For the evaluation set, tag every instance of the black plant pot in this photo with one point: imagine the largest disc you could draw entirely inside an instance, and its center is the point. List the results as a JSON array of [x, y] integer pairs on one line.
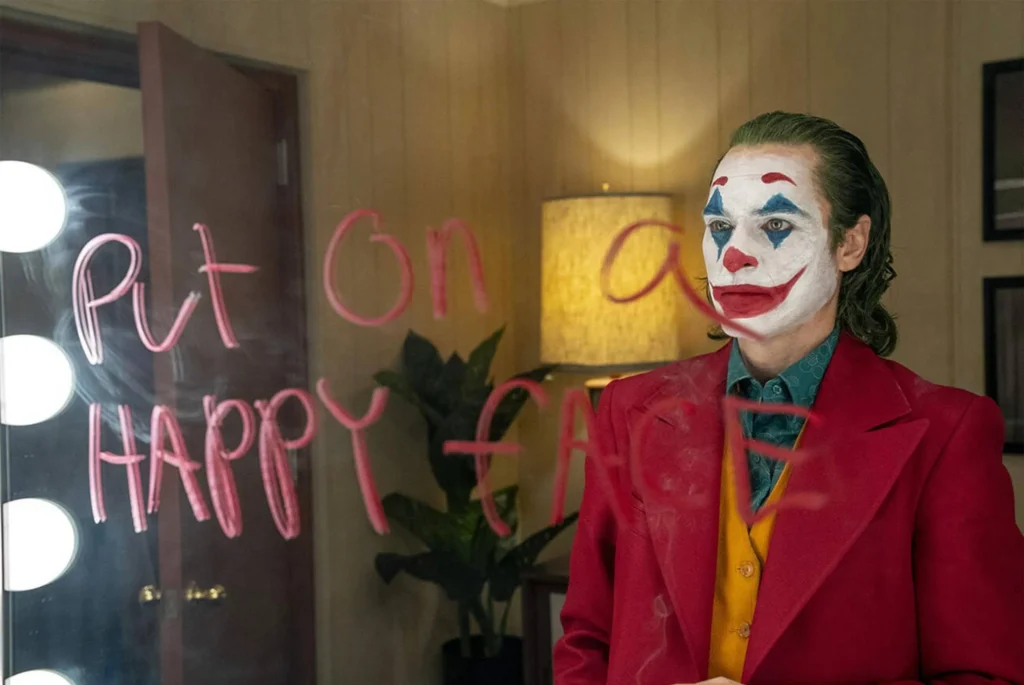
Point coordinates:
[[504, 669]]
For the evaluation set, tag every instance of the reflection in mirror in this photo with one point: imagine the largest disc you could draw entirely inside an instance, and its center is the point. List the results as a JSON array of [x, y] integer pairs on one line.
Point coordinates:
[[32, 207], [40, 543], [165, 497], [37, 380], [40, 677], [75, 617], [156, 591]]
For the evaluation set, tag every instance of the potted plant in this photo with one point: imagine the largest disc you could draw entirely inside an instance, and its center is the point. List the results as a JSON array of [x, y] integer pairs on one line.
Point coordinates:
[[477, 570]]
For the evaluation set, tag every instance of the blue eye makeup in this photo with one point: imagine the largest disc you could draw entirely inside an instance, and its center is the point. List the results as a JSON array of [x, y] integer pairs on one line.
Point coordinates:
[[714, 206], [721, 234], [780, 204], [777, 231]]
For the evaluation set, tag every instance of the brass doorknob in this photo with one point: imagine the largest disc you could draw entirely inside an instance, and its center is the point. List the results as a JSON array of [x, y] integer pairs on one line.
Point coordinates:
[[150, 594], [213, 595]]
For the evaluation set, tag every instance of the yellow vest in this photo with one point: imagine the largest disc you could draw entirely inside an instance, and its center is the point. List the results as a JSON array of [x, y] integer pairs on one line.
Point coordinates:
[[741, 556]]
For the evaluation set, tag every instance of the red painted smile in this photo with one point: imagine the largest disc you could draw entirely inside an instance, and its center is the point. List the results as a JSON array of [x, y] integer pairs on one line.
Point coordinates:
[[746, 301]]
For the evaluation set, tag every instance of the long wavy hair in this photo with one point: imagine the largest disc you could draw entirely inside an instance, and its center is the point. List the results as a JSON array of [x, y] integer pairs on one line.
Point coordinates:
[[851, 183]]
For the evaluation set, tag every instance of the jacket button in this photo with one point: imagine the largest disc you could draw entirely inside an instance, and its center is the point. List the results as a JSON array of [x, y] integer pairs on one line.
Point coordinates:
[[746, 569], [744, 630]]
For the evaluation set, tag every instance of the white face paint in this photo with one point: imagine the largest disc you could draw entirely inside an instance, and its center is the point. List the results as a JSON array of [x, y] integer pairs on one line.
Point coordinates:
[[766, 244]]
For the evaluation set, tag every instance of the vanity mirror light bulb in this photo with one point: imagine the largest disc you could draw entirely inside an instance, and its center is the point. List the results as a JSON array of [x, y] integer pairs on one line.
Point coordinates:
[[36, 380], [33, 207], [39, 677], [40, 543]]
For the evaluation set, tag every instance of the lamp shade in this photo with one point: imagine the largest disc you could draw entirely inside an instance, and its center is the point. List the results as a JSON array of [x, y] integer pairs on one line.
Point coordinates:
[[579, 326]]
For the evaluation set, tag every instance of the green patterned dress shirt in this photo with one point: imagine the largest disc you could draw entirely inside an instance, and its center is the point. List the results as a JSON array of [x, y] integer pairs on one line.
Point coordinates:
[[798, 385]]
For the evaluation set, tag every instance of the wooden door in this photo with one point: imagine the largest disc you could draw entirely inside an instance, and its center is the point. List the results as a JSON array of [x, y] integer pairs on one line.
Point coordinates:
[[213, 155]]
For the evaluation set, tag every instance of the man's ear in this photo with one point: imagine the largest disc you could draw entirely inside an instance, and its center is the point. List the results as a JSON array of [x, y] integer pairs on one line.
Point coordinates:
[[855, 244]]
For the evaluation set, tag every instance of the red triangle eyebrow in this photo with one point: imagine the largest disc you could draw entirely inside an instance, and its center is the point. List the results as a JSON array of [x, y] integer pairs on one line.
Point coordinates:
[[720, 181], [775, 176]]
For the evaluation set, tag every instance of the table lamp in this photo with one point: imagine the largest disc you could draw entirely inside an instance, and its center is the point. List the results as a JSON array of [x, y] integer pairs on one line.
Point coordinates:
[[581, 330]]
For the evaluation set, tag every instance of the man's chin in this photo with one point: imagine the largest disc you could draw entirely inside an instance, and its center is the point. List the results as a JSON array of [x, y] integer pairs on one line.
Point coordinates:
[[769, 325], [776, 323]]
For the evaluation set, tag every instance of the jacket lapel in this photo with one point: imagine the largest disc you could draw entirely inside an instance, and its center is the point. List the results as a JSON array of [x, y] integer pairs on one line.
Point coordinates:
[[857, 453], [677, 456]]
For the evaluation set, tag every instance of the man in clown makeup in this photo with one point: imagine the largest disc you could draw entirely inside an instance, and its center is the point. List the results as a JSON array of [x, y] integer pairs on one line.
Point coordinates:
[[887, 554]]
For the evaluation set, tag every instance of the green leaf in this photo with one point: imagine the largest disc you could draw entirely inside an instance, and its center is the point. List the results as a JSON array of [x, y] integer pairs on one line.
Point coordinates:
[[464, 552], [478, 368], [505, 501], [423, 367], [459, 580], [510, 514], [487, 547], [454, 473], [467, 522], [435, 529], [398, 384], [508, 575], [513, 402], [460, 423], [452, 376]]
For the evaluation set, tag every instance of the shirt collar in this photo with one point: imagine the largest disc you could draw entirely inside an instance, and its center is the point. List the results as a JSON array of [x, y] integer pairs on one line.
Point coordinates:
[[802, 379]]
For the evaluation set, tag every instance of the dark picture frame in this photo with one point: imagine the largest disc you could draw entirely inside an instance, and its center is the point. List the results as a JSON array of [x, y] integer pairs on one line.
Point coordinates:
[[1002, 168], [1004, 354]]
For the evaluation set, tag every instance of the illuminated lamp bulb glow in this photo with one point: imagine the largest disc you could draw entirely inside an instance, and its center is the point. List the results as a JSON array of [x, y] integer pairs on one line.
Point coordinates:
[[36, 380], [33, 207], [40, 543], [39, 677]]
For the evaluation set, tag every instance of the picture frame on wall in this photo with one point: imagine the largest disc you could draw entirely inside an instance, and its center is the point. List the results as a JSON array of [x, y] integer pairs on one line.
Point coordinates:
[[1003, 150], [1004, 354]]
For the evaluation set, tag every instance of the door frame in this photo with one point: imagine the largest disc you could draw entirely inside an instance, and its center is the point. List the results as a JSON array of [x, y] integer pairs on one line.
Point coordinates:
[[75, 50]]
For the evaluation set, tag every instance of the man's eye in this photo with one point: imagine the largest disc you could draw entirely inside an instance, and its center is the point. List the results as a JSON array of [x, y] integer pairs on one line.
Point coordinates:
[[719, 225], [777, 225]]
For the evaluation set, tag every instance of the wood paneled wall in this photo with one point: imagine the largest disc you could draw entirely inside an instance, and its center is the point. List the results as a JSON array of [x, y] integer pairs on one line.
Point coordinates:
[[980, 32], [644, 94], [409, 115], [429, 108], [406, 110]]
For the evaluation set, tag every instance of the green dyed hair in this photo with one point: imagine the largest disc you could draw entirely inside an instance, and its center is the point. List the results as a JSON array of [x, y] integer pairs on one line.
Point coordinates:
[[853, 187]]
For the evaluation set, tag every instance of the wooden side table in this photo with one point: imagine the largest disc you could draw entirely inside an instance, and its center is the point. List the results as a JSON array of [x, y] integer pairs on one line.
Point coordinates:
[[544, 587]]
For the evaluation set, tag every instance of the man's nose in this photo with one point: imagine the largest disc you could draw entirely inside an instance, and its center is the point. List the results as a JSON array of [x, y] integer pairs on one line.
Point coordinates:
[[735, 260]]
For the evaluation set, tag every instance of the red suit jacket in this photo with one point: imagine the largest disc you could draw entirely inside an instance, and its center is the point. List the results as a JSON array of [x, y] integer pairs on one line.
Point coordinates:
[[912, 572]]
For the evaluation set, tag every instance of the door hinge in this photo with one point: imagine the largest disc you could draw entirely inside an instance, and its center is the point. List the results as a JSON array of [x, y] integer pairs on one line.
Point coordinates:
[[282, 162]]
